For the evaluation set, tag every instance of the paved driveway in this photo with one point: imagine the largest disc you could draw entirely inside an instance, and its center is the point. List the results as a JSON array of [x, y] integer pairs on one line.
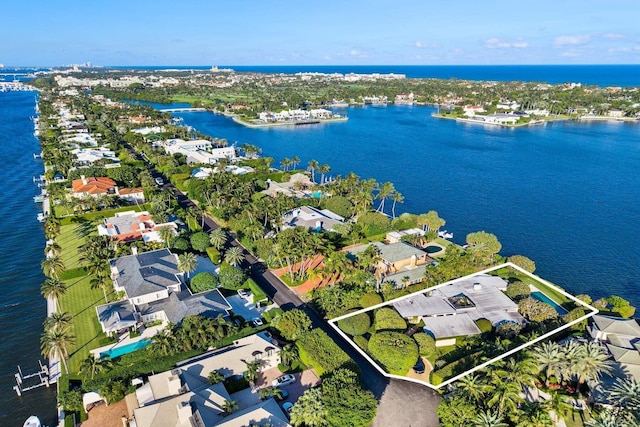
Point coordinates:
[[406, 404], [243, 307]]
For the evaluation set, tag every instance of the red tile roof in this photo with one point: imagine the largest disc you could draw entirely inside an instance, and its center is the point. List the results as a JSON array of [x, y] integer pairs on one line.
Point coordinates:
[[93, 185]]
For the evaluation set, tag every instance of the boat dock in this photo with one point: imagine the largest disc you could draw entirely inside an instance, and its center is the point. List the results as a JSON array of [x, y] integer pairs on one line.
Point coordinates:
[[31, 381]]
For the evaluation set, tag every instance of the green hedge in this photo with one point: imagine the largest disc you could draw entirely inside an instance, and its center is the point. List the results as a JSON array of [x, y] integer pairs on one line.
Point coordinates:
[[321, 352], [258, 293], [369, 300], [214, 255], [388, 318], [358, 324], [426, 344], [396, 352], [361, 342], [204, 281], [179, 180]]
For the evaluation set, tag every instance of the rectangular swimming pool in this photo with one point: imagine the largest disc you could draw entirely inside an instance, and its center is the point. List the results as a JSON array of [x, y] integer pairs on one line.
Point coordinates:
[[128, 348], [543, 298]]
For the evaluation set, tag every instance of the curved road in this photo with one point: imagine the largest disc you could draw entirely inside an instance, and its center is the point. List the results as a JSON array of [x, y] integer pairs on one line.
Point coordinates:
[[401, 403]]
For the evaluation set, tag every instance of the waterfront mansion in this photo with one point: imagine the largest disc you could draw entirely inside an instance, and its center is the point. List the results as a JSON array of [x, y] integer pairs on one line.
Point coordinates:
[[154, 291]]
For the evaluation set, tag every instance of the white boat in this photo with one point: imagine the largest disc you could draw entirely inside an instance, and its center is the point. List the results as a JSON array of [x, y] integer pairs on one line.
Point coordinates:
[[42, 217], [32, 421], [445, 235]]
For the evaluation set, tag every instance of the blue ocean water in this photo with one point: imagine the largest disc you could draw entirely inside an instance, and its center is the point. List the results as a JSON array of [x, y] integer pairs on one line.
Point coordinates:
[[601, 75], [22, 308], [564, 194]]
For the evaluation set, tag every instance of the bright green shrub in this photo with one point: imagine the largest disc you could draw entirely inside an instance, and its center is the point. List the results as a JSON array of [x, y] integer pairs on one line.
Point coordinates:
[[214, 255], [204, 281], [321, 352], [355, 325], [388, 318], [426, 344], [369, 300], [395, 351], [361, 342], [627, 312], [484, 325], [517, 290]]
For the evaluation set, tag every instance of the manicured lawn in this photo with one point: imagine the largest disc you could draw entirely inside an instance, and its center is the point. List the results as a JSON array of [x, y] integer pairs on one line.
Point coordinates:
[[69, 240], [80, 302]]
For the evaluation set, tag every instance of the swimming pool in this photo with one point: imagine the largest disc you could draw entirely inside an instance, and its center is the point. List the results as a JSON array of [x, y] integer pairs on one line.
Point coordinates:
[[128, 348], [432, 249], [543, 298]]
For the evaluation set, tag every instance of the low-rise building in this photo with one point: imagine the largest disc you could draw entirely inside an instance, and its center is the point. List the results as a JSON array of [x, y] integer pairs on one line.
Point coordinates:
[[311, 218], [131, 225]]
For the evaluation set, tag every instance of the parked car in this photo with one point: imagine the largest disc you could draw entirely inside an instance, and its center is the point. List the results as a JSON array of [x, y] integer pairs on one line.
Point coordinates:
[[283, 380], [159, 181], [418, 368], [287, 407], [284, 395], [257, 322]]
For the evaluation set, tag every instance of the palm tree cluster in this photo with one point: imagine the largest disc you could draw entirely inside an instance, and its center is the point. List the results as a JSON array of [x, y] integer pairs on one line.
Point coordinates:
[[494, 396], [96, 252], [195, 332], [624, 411]]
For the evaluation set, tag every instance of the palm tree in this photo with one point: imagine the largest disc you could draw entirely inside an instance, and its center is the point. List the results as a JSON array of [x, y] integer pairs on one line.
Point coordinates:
[[550, 358], [267, 392], [285, 163], [52, 266], [323, 169], [218, 238], [53, 288], [215, 377], [253, 370], [52, 249], [626, 394], [229, 406], [57, 320], [386, 190], [234, 256], [313, 165], [166, 234], [473, 387], [489, 419], [288, 354], [56, 344], [100, 280], [92, 365], [592, 362], [397, 198], [295, 161], [506, 396], [187, 263], [51, 227]]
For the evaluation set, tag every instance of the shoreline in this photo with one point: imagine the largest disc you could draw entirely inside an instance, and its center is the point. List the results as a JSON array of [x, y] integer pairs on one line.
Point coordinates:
[[238, 120]]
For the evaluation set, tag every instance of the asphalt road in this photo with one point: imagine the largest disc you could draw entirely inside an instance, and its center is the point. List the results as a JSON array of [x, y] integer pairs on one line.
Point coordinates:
[[401, 403]]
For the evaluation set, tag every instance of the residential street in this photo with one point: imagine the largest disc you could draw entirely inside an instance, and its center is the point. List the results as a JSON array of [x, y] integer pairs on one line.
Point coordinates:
[[401, 403]]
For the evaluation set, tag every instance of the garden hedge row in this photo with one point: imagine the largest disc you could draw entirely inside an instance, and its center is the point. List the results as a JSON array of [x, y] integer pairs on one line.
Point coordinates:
[[316, 348]]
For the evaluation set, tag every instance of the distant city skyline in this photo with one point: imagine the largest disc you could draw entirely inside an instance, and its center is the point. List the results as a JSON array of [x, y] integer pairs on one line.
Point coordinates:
[[357, 32]]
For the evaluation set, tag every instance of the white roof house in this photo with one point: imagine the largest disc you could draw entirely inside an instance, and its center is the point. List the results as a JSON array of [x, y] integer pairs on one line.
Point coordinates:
[[199, 150], [183, 397], [89, 156], [452, 310], [310, 217]]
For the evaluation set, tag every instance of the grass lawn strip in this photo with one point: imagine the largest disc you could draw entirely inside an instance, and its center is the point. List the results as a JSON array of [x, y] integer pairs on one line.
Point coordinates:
[[69, 241]]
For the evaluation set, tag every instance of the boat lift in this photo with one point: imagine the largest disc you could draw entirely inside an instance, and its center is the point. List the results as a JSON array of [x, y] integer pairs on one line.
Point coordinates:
[[42, 375]]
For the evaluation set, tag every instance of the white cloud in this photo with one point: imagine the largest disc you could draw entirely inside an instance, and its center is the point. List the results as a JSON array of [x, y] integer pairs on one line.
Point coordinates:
[[575, 40], [357, 53], [570, 54], [619, 49], [613, 36], [422, 45], [496, 43], [354, 53]]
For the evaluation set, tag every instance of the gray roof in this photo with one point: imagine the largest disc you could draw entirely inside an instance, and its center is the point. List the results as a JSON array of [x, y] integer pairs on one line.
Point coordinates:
[[182, 304], [624, 355], [147, 272], [398, 251], [615, 325], [117, 315], [450, 326], [422, 305], [310, 217]]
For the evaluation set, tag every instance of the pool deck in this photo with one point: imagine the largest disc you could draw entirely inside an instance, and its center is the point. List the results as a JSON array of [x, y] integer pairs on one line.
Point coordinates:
[[557, 306], [148, 333]]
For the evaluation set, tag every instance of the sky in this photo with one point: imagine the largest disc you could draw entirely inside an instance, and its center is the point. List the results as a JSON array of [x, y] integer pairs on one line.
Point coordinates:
[[328, 32]]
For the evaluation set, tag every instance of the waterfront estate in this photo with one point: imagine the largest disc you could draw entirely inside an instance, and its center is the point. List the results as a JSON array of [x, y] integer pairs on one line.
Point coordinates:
[[428, 324], [154, 291]]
